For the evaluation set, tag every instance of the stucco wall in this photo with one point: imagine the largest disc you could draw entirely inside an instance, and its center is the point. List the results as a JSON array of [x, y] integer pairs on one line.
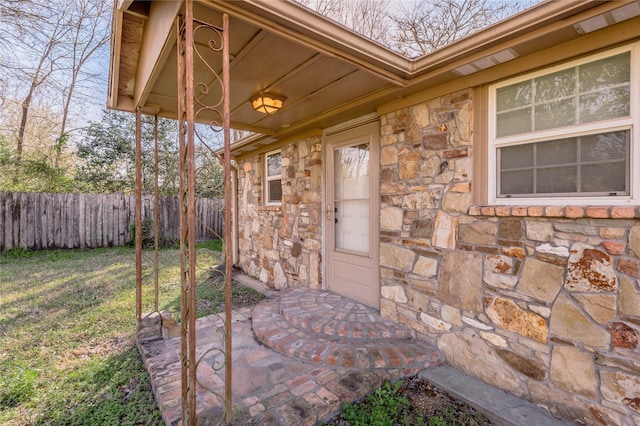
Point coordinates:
[[543, 302], [281, 245]]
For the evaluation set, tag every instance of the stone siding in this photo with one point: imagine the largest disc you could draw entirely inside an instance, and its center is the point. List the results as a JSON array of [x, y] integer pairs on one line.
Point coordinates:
[[281, 245], [542, 302]]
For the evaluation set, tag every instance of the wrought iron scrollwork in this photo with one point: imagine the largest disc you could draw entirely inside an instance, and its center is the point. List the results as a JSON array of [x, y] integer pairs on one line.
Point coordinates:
[[205, 46], [202, 46]]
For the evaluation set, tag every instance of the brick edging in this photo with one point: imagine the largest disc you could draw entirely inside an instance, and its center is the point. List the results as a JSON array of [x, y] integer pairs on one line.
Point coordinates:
[[269, 208], [569, 212]]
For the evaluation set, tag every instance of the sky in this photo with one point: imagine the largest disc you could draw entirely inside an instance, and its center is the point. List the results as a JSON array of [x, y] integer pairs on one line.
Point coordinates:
[[91, 100]]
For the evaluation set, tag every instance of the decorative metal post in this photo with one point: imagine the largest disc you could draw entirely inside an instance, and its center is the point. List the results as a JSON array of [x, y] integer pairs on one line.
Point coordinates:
[[187, 214], [156, 216], [227, 213], [138, 221], [190, 104]]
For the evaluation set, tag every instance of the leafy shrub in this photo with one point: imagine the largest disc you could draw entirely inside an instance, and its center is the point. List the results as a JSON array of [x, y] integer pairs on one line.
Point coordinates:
[[397, 405], [382, 408], [437, 421]]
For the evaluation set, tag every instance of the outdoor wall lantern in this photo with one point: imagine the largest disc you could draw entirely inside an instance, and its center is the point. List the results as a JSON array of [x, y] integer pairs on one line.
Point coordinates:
[[267, 103]]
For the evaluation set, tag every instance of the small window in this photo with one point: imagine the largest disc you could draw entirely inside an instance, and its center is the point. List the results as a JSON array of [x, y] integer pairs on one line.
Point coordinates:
[[273, 178], [567, 132]]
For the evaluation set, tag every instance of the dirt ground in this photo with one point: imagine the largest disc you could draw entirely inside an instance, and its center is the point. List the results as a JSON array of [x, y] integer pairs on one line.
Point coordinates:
[[428, 401]]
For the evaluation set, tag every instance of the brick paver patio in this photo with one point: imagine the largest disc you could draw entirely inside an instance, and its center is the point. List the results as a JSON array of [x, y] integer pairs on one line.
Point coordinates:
[[297, 358]]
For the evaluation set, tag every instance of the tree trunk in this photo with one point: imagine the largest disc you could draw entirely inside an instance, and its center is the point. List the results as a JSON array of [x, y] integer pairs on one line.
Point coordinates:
[[26, 104]]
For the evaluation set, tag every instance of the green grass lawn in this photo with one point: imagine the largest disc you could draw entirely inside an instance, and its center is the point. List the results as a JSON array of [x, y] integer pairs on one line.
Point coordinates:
[[67, 324]]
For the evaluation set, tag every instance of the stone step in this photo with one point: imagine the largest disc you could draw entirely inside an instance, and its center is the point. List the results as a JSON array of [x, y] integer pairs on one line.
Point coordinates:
[[272, 329], [333, 316]]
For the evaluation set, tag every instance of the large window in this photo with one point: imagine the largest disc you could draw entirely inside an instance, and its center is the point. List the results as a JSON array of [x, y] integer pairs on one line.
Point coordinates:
[[273, 178], [568, 134]]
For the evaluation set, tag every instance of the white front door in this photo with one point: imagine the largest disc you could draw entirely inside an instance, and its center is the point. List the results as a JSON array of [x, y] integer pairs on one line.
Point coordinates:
[[352, 214]]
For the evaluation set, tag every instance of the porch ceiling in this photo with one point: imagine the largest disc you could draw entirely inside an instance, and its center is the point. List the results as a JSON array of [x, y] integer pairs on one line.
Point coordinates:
[[327, 73], [313, 81]]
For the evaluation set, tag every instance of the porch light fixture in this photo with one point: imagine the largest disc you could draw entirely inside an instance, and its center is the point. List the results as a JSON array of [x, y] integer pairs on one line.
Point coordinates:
[[267, 103]]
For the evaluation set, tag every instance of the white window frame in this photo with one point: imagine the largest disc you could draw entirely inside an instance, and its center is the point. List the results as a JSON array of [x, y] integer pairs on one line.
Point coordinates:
[[268, 178], [631, 123]]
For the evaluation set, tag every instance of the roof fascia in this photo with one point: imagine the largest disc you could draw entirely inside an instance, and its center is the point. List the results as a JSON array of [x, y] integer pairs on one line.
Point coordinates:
[[249, 140], [123, 4], [114, 58], [155, 50], [300, 24], [263, 143], [536, 21], [297, 23], [625, 32]]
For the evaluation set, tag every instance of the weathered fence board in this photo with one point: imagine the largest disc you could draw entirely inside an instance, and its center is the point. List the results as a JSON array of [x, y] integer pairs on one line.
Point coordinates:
[[41, 220]]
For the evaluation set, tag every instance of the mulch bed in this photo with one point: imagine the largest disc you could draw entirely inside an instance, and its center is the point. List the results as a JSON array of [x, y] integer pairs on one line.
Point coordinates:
[[429, 401]]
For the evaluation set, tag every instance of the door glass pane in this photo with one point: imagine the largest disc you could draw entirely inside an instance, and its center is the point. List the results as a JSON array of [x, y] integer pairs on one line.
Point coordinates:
[[352, 227], [351, 204]]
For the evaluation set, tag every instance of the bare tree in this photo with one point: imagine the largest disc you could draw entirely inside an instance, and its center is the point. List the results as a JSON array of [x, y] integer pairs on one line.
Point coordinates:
[[369, 18], [428, 25], [12, 12], [415, 28], [47, 56], [36, 39], [52, 44], [329, 8], [88, 33]]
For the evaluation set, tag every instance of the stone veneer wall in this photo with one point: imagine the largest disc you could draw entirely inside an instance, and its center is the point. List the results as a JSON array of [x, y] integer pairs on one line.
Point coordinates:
[[542, 302], [281, 245]]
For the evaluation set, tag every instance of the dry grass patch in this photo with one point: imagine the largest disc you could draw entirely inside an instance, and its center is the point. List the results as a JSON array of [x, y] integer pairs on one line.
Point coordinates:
[[67, 324]]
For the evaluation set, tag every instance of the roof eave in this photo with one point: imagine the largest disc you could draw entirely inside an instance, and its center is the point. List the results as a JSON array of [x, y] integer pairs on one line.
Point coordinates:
[[289, 19], [544, 15], [296, 22], [114, 57]]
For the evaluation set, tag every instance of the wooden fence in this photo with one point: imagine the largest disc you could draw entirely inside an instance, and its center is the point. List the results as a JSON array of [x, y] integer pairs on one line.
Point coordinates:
[[41, 221]]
